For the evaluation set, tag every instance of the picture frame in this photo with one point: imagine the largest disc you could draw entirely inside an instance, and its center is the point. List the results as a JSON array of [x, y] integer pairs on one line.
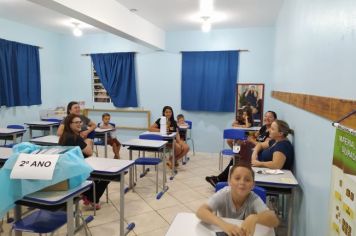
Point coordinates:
[[251, 94]]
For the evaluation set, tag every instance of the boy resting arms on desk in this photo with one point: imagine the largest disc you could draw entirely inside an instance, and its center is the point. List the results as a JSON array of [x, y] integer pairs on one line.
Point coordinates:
[[237, 201]]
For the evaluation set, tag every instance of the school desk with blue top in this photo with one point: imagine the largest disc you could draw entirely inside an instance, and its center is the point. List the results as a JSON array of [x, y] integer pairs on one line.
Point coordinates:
[[283, 183], [49, 140], [6, 132], [113, 170], [170, 138], [42, 125], [189, 224], [51, 200], [99, 132], [150, 146]]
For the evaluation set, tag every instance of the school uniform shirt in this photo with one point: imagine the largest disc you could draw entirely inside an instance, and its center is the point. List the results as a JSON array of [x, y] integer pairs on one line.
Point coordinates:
[[221, 202], [172, 126], [78, 141], [284, 147]]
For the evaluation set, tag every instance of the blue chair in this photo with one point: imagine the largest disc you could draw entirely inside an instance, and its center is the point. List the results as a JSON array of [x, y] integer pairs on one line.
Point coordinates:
[[10, 137], [189, 134], [98, 139], [235, 134], [53, 120], [154, 161], [43, 222], [261, 192]]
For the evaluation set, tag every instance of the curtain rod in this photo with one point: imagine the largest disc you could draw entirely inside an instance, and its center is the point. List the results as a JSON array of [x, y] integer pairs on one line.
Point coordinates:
[[338, 125], [88, 54], [239, 50]]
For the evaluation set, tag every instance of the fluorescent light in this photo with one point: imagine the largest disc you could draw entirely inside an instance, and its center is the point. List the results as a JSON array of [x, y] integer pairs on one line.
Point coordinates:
[[206, 25], [76, 31], [206, 7]]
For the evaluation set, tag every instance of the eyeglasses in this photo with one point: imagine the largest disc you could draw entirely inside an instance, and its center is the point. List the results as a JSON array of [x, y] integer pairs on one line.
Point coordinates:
[[77, 122]]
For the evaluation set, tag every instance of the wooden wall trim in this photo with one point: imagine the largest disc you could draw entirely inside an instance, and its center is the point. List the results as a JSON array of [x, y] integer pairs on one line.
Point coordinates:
[[327, 107]]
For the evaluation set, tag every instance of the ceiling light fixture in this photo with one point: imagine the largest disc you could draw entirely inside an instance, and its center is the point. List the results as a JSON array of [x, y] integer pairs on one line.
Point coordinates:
[[76, 31], [206, 26]]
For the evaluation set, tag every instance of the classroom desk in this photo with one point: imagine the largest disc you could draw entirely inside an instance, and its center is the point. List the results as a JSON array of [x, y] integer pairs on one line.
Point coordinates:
[[189, 224], [170, 138], [5, 153], [113, 170], [284, 183], [5, 132], [42, 125], [49, 140], [253, 128], [150, 146], [99, 132], [53, 198]]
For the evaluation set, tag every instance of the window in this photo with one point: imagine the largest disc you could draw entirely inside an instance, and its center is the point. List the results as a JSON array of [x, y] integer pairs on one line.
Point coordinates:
[[99, 92]]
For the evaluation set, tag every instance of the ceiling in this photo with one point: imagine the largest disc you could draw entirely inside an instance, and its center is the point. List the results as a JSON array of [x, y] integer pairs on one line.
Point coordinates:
[[169, 15]]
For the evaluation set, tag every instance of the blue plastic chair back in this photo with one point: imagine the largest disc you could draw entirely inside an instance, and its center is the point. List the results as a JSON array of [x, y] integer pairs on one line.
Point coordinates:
[[15, 127], [189, 123], [261, 192], [91, 135], [151, 137], [234, 134]]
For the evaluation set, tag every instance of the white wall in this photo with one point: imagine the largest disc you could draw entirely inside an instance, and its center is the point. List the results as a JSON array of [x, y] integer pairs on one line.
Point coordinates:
[[315, 53]]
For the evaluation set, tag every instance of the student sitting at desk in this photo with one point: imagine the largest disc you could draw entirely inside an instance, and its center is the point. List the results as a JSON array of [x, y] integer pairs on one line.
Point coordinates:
[[237, 201], [277, 153], [112, 140], [181, 123], [87, 125], [260, 136], [180, 148], [243, 120], [71, 137]]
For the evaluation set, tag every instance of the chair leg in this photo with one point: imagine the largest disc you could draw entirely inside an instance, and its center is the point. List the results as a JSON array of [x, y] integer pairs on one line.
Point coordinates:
[[193, 147], [96, 153], [157, 179]]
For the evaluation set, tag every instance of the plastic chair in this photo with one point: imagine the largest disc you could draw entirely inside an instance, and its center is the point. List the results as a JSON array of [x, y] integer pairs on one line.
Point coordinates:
[[154, 161], [43, 222], [98, 139], [189, 134], [235, 134], [10, 137], [261, 192], [53, 120]]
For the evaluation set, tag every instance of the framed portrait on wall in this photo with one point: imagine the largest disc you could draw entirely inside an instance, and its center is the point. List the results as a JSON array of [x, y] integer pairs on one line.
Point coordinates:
[[250, 94]]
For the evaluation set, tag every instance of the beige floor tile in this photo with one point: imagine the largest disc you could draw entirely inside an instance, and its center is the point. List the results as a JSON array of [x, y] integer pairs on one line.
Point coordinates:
[[147, 222], [169, 213], [165, 201], [187, 196], [157, 232], [194, 205], [136, 207]]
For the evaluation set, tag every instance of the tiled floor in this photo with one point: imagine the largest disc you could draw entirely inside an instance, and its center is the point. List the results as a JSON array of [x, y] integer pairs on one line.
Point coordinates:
[[187, 191], [152, 217]]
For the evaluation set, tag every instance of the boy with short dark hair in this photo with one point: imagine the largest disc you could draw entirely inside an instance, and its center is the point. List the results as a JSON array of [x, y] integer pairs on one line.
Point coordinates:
[[112, 140]]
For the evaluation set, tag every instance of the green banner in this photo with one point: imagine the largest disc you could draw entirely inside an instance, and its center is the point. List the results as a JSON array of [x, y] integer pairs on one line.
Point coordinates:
[[343, 185]]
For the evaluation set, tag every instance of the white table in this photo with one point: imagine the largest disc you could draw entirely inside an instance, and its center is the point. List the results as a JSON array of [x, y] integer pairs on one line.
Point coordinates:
[[52, 198], [104, 132], [5, 132], [168, 137], [284, 183], [188, 224], [153, 146], [253, 128], [42, 125], [49, 140], [111, 169]]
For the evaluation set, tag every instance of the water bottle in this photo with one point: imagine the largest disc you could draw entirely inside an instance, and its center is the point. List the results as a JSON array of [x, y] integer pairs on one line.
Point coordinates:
[[163, 125], [236, 147]]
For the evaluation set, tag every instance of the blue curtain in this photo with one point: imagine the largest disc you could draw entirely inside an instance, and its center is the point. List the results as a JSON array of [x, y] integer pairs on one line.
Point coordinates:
[[20, 78], [209, 80], [117, 74]]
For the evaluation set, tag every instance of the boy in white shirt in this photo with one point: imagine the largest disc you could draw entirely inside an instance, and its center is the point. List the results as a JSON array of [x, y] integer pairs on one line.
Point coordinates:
[[112, 140]]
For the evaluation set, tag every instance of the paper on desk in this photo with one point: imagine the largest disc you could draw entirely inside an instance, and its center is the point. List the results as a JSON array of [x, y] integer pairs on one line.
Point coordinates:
[[273, 172]]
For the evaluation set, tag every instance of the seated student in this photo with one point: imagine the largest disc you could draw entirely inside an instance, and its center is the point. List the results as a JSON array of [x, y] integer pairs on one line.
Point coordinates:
[[180, 148], [237, 201], [181, 122], [244, 119], [112, 140], [277, 153], [71, 137], [260, 136], [87, 125]]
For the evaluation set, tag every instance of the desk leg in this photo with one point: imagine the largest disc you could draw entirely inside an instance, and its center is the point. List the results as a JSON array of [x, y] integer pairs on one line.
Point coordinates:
[[30, 132], [173, 159], [290, 212], [122, 203], [131, 184], [50, 130], [70, 217], [14, 138], [106, 145], [17, 216]]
